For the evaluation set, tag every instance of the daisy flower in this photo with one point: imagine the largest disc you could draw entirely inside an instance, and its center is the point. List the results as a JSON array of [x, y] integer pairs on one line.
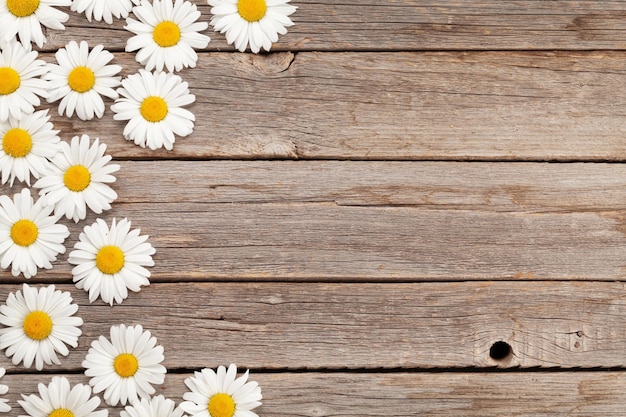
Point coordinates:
[[80, 78], [254, 22], [103, 9], [126, 366], [166, 34], [221, 394], [4, 406], [25, 17], [157, 406], [29, 236], [152, 103], [39, 323], [20, 84], [58, 399], [109, 262], [78, 178], [27, 146]]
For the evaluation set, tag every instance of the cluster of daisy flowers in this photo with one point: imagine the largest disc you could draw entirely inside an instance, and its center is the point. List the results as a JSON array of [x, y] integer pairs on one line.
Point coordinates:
[[39, 324]]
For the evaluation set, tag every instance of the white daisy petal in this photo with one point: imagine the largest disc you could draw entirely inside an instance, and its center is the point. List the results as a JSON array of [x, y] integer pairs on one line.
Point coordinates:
[[103, 9], [25, 18], [4, 406], [58, 399], [126, 367], [39, 324]]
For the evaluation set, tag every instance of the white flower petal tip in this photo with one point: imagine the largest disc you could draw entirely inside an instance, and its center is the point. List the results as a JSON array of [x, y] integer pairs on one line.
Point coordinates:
[[60, 399], [111, 261], [22, 87], [31, 238], [80, 78], [167, 34], [39, 323], [78, 178], [158, 406], [153, 105], [4, 403], [106, 10], [25, 18], [28, 144], [220, 393], [253, 23], [125, 367]]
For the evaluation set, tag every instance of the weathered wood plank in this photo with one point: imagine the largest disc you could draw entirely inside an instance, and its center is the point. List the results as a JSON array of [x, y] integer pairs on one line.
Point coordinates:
[[424, 106], [284, 326], [409, 394], [372, 220], [416, 25]]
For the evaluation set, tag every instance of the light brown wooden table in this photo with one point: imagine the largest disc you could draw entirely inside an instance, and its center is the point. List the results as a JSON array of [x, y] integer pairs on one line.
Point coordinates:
[[362, 213]]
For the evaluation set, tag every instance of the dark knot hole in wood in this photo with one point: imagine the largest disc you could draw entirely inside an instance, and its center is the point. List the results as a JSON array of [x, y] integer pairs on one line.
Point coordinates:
[[500, 350]]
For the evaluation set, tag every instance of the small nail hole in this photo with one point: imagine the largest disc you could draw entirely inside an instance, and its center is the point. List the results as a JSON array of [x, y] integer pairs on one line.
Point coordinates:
[[500, 350]]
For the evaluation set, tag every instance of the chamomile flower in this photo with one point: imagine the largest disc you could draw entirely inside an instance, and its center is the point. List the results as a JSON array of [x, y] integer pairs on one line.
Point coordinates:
[[221, 394], [29, 235], [78, 179], [254, 22], [158, 406], [109, 262], [59, 399], [27, 146], [81, 78], [20, 82], [103, 9], [4, 406], [39, 324], [25, 17], [166, 34], [125, 367], [152, 104]]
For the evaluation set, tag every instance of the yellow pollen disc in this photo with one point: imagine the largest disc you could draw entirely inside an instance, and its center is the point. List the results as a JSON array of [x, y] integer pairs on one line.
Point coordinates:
[[61, 412], [153, 109], [81, 79], [24, 232], [126, 365], [17, 142], [221, 405], [77, 178], [37, 325], [9, 80], [110, 259], [166, 34], [22, 8], [252, 10]]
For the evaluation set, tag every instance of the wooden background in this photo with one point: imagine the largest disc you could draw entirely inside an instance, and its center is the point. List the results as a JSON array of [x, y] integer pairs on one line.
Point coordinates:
[[362, 213]]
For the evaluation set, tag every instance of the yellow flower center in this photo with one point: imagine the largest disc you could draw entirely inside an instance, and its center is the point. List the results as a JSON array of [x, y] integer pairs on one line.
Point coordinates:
[[126, 365], [9, 81], [221, 405], [252, 10], [166, 34], [22, 8], [17, 142], [77, 178], [81, 79], [110, 259], [37, 325], [24, 232], [153, 109], [61, 412]]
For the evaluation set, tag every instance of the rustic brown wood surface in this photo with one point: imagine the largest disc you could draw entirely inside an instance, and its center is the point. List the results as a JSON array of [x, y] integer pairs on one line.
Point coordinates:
[[364, 215]]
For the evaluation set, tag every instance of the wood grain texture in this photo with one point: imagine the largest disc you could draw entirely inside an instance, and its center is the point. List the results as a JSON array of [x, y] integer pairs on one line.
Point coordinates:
[[414, 25], [394, 106], [295, 326], [588, 394]]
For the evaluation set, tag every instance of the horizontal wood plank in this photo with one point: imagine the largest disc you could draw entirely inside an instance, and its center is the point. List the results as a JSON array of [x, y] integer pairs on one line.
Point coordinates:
[[287, 220], [287, 326], [414, 25], [408, 394], [393, 106]]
